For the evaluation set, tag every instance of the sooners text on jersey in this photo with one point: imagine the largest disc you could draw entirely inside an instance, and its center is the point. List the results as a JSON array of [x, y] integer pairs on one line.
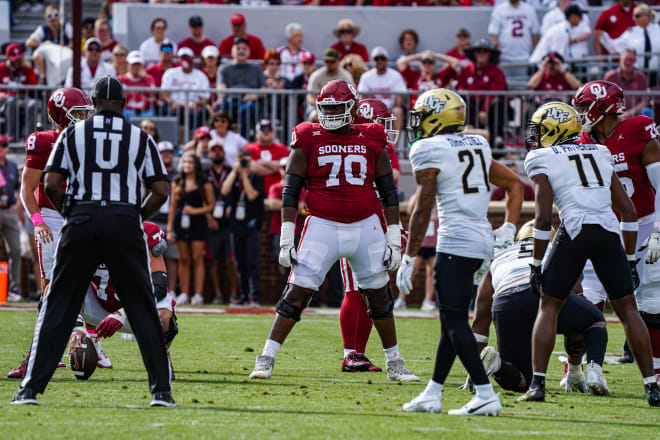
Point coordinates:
[[38, 146], [626, 143], [340, 170]]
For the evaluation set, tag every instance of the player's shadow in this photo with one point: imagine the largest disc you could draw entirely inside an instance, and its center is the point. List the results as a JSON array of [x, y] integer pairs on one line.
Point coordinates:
[[596, 422]]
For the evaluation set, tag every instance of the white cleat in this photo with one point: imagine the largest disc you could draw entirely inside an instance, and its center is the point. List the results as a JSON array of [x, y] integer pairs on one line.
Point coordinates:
[[491, 360], [400, 304], [428, 306], [428, 403], [575, 382], [479, 407], [197, 300], [263, 367], [103, 360], [596, 383], [183, 299], [396, 370]]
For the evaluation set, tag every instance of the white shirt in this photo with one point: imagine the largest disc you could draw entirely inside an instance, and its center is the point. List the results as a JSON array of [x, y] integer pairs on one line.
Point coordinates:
[[575, 50], [463, 191], [150, 51], [290, 66], [87, 80], [390, 81], [39, 33], [514, 27], [231, 143], [176, 78], [579, 202], [633, 38], [58, 60], [510, 267], [556, 39]]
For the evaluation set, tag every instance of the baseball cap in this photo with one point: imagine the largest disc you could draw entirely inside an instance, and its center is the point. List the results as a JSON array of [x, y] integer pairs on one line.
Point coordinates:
[[216, 144], [245, 151], [210, 51], [14, 52], [108, 88], [165, 146], [555, 56], [91, 41], [427, 56], [307, 56], [185, 52], [264, 125], [5, 139], [379, 51], [237, 18], [202, 131], [195, 21], [238, 40], [167, 46], [134, 57], [331, 55]]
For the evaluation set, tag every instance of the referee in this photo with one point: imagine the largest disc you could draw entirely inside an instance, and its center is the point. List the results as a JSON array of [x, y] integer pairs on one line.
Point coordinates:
[[104, 160]]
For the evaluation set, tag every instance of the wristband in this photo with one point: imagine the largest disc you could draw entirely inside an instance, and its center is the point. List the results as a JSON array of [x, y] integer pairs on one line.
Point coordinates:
[[483, 339], [36, 219], [631, 258], [629, 226], [540, 234], [120, 315], [393, 235], [536, 262]]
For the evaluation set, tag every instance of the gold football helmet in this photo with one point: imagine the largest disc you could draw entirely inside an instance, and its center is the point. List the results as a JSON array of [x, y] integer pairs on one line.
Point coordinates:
[[436, 111], [554, 123], [525, 232]]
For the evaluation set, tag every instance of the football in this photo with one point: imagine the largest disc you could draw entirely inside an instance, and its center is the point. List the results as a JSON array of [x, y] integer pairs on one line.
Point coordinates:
[[83, 358]]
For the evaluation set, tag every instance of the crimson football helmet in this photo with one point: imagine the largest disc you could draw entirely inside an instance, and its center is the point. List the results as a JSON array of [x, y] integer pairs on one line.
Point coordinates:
[[155, 238], [374, 110], [69, 105], [596, 99], [332, 97]]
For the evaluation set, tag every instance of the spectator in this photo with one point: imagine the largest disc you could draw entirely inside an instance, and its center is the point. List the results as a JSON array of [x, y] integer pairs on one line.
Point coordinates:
[[429, 78], [196, 42], [186, 77], [52, 61], [631, 79], [91, 67], [20, 111], [137, 103], [219, 237], [192, 199], [307, 67], [87, 31], [241, 74], [405, 3], [613, 22], [514, 29], [554, 15], [104, 35], [552, 76], [322, 76], [568, 37], [463, 41], [246, 192], [150, 127], [384, 79], [150, 48], [238, 26], [266, 154], [291, 54], [232, 142], [52, 30], [354, 65], [9, 227], [200, 146], [408, 41], [166, 62], [644, 37], [346, 31], [119, 54], [272, 71], [211, 61]]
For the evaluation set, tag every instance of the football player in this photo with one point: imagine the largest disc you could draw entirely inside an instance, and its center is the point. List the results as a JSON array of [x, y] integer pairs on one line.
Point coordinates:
[[504, 296], [582, 182], [65, 106], [456, 170], [339, 164], [636, 152]]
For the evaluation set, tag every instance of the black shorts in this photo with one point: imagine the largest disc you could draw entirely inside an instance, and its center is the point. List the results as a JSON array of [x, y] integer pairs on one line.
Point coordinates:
[[220, 243], [426, 252], [568, 257], [453, 278]]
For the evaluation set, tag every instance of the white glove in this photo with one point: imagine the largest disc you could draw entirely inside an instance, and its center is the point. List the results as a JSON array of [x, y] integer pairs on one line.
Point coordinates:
[[404, 275], [504, 235], [653, 243], [392, 259], [288, 254]]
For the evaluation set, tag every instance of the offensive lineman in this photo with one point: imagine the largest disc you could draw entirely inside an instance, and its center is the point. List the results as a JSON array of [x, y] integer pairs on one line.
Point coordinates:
[[456, 170], [339, 164], [582, 182]]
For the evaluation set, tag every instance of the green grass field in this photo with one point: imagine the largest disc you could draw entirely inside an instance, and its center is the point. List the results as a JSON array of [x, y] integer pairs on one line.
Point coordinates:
[[308, 396]]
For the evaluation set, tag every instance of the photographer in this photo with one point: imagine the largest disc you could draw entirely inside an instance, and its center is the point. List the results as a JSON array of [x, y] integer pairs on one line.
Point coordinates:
[[552, 76], [246, 194]]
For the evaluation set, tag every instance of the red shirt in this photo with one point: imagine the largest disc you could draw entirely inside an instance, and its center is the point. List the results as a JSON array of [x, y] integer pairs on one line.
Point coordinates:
[[275, 192], [626, 143], [415, 81], [22, 76], [257, 50], [197, 48], [402, 3], [333, 2], [137, 100], [554, 82], [615, 21], [38, 147], [105, 290], [340, 170], [355, 47], [270, 152], [490, 78], [156, 71], [456, 54]]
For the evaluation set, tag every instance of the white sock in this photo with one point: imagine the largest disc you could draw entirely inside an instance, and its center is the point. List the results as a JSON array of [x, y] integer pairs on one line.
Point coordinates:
[[536, 373], [484, 391], [650, 379], [433, 388], [271, 348], [348, 351], [572, 369], [392, 352]]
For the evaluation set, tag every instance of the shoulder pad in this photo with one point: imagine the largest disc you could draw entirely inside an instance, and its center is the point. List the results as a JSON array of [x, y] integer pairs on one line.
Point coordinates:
[[644, 126], [302, 131]]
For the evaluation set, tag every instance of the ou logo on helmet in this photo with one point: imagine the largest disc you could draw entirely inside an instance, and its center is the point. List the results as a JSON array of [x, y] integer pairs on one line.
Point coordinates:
[[435, 104], [58, 99], [598, 91], [351, 88], [366, 111]]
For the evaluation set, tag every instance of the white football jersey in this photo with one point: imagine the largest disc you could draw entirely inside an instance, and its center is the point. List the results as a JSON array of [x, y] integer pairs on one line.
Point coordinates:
[[514, 28], [580, 176], [463, 191], [510, 267]]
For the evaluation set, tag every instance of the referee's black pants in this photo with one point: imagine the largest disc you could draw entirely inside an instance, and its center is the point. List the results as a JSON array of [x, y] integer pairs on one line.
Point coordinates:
[[92, 235]]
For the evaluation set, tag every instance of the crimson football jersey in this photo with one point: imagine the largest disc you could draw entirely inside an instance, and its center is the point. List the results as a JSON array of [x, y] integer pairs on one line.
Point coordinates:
[[37, 147], [340, 170], [626, 143], [105, 290]]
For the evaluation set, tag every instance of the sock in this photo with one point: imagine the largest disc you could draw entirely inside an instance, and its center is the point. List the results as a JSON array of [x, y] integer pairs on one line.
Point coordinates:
[[348, 318], [650, 379], [392, 352], [363, 328], [484, 391], [509, 377], [573, 369], [655, 348], [271, 348], [595, 344], [348, 351], [538, 380], [433, 388]]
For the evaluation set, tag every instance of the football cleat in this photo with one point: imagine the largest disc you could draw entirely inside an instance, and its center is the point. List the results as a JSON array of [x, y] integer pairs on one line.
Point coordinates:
[[103, 360], [652, 393], [396, 370], [19, 372], [533, 394], [596, 383], [183, 299], [626, 358], [358, 362], [575, 382], [479, 407], [197, 300], [25, 396], [263, 367], [491, 360], [163, 398], [430, 403]]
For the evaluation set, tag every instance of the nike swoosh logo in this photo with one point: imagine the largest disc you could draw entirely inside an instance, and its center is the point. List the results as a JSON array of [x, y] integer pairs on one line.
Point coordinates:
[[471, 410]]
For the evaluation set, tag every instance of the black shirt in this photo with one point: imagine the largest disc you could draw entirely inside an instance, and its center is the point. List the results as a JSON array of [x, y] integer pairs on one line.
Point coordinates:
[[254, 209]]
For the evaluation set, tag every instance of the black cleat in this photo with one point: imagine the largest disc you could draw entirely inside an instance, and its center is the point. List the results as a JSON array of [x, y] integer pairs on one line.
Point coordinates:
[[652, 393], [533, 394], [626, 358], [162, 398], [25, 396]]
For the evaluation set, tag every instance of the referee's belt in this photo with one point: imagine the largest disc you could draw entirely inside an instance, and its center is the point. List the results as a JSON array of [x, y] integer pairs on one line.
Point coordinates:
[[103, 203]]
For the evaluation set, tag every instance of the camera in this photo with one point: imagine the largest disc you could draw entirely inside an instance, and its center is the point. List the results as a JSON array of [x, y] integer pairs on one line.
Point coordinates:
[[244, 163]]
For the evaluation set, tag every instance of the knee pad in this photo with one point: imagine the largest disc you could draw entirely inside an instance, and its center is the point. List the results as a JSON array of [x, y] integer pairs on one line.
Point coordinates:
[[574, 347], [171, 332], [285, 308], [159, 280], [379, 305]]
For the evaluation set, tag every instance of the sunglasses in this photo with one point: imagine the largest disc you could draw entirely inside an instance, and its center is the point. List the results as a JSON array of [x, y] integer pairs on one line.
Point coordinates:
[[639, 15], [93, 49], [4, 145], [308, 63], [380, 58], [160, 28], [53, 15], [119, 54], [149, 127], [167, 49], [348, 65], [345, 31], [428, 61]]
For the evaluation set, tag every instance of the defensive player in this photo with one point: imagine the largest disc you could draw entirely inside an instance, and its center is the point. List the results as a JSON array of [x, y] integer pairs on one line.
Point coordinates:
[[636, 152], [65, 106], [581, 180], [504, 296], [456, 170], [339, 164]]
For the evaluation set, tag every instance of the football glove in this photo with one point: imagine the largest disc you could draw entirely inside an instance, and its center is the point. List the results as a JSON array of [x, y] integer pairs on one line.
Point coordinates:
[[653, 243], [535, 279], [404, 275], [504, 235], [111, 323], [392, 259], [288, 254], [632, 262]]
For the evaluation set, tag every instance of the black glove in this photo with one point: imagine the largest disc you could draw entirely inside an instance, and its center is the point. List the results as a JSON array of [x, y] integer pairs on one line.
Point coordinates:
[[635, 275], [535, 280]]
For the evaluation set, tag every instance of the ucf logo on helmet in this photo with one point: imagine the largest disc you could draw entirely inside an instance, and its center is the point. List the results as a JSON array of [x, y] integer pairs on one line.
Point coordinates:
[[557, 114], [434, 103]]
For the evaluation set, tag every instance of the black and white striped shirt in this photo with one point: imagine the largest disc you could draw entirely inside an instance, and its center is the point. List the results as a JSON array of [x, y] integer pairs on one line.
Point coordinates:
[[106, 159]]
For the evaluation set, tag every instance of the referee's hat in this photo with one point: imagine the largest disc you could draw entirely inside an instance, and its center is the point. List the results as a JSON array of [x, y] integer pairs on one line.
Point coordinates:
[[108, 88]]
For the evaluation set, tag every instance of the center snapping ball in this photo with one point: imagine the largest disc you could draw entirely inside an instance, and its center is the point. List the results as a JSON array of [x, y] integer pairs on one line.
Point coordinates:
[[83, 358]]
